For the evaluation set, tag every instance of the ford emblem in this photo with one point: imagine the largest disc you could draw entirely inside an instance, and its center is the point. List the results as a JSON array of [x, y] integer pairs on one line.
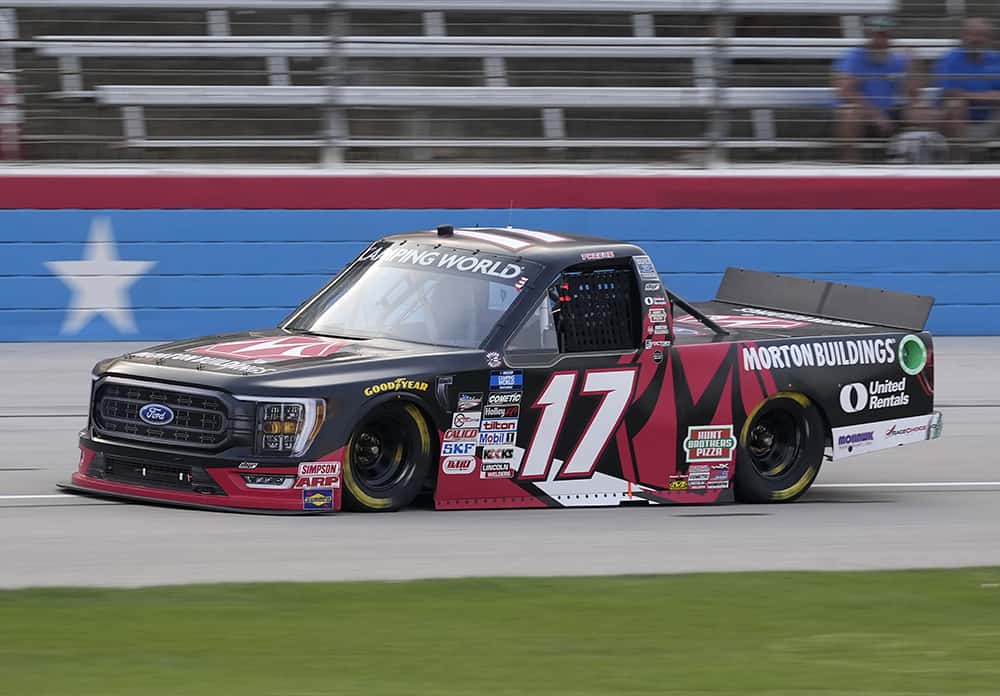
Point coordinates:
[[156, 414]]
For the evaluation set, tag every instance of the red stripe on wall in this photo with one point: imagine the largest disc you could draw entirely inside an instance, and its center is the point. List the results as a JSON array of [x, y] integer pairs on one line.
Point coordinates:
[[414, 192]]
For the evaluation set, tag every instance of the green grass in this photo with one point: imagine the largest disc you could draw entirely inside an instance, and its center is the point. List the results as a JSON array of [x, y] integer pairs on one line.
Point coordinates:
[[914, 632]]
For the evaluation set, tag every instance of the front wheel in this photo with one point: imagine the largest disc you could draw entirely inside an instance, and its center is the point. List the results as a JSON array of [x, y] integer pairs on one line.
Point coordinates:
[[387, 459], [781, 449]]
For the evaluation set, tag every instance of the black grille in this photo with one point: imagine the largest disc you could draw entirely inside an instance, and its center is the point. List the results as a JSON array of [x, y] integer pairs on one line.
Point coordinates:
[[178, 477], [199, 420]]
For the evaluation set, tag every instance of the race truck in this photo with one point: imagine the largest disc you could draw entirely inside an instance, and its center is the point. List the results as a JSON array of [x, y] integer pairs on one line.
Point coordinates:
[[510, 368]]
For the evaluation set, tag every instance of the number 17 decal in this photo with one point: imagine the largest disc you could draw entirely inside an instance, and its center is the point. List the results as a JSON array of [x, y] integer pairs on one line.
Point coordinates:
[[617, 386]]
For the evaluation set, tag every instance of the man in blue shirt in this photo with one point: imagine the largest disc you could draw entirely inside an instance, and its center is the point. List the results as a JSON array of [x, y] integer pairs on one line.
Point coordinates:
[[969, 79], [875, 86]]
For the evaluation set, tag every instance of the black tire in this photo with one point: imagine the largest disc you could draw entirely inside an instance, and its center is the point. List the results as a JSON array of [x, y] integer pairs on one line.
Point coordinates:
[[387, 459], [780, 450]]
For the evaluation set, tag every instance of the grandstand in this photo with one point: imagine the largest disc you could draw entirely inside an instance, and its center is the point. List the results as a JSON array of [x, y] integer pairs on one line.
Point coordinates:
[[303, 81]]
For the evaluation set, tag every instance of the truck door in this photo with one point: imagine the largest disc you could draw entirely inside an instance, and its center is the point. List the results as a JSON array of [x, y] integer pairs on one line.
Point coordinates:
[[576, 358]]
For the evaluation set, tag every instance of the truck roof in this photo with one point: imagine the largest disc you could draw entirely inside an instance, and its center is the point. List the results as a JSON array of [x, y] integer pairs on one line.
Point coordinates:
[[548, 248]]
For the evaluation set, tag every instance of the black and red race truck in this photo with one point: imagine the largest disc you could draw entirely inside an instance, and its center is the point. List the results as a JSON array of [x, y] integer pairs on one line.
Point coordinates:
[[507, 368]]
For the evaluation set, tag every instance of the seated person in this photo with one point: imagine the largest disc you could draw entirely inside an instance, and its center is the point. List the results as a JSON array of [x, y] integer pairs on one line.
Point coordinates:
[[874, 86], [969, 79]]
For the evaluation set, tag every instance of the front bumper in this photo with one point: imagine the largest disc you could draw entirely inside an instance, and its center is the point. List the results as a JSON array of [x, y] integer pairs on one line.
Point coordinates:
[[134, 474]]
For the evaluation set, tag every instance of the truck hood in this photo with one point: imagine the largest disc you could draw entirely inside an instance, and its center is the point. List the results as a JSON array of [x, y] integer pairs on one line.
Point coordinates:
[[276, 358]]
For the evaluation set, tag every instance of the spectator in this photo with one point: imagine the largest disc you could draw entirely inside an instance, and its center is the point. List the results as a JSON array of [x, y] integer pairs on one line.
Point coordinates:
[[969, 79], [875, 85]]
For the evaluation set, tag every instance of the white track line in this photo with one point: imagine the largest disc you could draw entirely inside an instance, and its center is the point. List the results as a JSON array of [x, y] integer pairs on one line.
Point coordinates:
[[911, 484], [35, 497]]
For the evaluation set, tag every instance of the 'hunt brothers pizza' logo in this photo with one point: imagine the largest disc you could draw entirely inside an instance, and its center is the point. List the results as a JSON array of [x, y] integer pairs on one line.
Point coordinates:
[[710, 443]]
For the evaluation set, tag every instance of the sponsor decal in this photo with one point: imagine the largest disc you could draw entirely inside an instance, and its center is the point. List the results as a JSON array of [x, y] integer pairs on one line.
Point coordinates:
[[651, 287], [644, 266], [861, 351], [501, 412], [597, 255], [493, 359], [912, 354], [895, 430], [745, 321], [265, 350], [504, 398], [503, 380], [470, 401], [218, 363], [717, 484], [433, 258], [719, 474], [374, 251], [498, 454], [490, 470], [858, 439], [467, 419], [461, 435], [521, 282], [467, 449], [657, 315], [662, 329], [398, 384], [503, 425], [497, 438], [650, 343], [678, 485], [710, 443], [317, 499], [458, 465], [318, 475], [655, 300], [698, 473], [657, 356], [156, 414], [857, 397], [801, 318], [247, 465]]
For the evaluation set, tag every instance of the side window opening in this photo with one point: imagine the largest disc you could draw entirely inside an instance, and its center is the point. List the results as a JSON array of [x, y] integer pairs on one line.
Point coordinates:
[[587, 310], [597, 310]]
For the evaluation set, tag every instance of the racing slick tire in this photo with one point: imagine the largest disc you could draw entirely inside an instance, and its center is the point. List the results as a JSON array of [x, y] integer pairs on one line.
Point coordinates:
[[780, 450], [387, 459]]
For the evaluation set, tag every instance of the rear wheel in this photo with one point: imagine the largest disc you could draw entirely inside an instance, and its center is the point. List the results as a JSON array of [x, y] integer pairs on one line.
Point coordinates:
[[781, 449], [387, 458]]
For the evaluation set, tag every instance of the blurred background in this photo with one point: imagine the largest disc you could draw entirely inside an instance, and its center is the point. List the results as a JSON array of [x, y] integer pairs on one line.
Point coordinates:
[[688, 83]]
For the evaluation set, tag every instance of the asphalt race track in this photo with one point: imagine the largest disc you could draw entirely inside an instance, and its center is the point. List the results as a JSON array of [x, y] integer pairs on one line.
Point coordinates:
[[936, 504]]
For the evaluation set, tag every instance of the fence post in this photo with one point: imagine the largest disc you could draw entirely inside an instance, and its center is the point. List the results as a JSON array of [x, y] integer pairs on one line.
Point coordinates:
[[718, 130], [335, 125]]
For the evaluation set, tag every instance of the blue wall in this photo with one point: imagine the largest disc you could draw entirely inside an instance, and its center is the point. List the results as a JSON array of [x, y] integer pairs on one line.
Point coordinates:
[[222, 270]]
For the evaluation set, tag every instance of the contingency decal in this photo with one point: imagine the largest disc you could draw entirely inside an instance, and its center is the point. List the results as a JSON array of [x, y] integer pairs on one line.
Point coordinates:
[[398, 384], [318, 475], [500, 456]]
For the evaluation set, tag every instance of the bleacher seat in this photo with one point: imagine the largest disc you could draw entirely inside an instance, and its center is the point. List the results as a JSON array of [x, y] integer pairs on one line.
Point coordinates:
[[696, 83]]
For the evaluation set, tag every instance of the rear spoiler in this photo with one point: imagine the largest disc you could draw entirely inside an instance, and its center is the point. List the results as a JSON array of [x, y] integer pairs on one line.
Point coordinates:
[[821, 298]]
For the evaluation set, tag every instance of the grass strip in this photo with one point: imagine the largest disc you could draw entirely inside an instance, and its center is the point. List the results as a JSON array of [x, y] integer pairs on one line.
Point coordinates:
[[789, 634]]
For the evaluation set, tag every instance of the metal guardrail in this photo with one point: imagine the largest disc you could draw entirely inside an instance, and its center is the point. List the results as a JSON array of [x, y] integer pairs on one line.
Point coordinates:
[[831, 7]]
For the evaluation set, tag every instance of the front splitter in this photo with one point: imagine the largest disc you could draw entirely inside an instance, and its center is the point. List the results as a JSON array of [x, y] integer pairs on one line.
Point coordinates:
[[190, 505]]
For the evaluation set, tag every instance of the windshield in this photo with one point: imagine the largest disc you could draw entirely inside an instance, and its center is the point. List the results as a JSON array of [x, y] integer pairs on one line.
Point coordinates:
[[425, 293]]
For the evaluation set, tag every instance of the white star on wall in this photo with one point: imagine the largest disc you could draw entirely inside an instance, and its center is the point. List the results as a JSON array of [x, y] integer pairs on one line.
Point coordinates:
[[99, 282]]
